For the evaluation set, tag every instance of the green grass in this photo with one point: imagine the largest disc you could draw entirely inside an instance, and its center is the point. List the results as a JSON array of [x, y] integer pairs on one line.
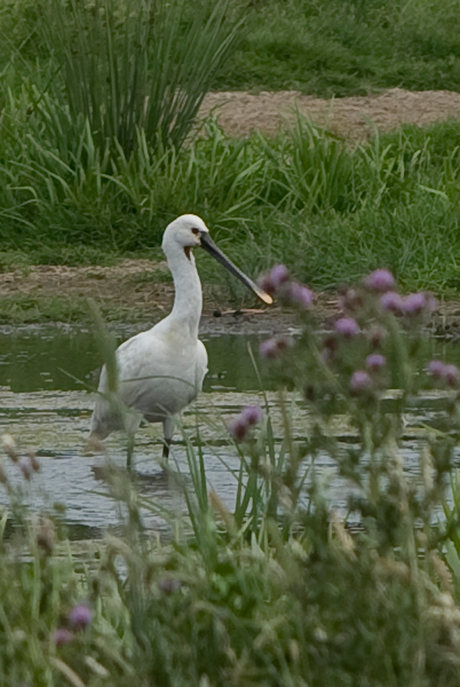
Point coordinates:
[[20, 309], [330, 211], [276, 593], [66, 254], [328, 48], [339, 48]]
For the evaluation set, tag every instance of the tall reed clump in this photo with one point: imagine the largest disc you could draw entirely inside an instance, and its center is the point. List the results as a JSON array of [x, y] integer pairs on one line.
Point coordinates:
[[136, 65]]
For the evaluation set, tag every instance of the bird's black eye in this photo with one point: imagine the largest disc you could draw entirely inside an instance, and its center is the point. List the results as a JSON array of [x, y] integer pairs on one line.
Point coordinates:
[[195, 230]]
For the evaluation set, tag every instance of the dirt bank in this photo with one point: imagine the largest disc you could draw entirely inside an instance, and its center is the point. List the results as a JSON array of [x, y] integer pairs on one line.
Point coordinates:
[[241, 113], [134, 290], [128, 292]]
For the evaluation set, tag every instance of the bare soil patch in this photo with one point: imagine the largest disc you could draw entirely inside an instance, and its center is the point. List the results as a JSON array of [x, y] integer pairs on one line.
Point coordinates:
[[125, 293], [133, 288], [134, 291], [241, 113]]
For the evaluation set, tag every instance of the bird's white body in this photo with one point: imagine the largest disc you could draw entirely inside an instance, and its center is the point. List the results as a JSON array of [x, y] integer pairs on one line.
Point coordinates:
[[161, 370], [147, 383]]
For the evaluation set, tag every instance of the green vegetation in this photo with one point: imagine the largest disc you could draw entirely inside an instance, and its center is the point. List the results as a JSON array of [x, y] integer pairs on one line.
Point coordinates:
[[91, 169], [277, 591], [339, 47], [17, 309], [330, 48], [330, 211]]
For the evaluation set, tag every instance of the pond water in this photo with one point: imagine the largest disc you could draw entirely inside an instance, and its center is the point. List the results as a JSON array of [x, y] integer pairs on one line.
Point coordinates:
[[46, 397]]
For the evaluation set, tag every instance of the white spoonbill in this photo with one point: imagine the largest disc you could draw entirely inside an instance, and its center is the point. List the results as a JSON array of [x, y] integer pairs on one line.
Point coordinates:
[[161, 370]]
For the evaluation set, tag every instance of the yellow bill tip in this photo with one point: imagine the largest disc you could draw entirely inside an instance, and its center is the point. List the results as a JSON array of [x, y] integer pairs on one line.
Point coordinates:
[[264, 296]]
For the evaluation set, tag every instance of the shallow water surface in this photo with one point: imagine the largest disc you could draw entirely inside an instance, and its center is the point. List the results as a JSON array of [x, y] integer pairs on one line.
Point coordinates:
[[62, 358], [48, 375], [46, 396]]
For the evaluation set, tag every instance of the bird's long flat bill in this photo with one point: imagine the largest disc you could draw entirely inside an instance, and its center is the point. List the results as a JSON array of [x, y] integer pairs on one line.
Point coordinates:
[[208, 244]]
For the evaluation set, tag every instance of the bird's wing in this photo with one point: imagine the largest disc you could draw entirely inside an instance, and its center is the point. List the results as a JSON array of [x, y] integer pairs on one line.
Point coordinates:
[[130, 356], [159, 371], [202, 363], [130, 361], [159, 374], [141, 362]]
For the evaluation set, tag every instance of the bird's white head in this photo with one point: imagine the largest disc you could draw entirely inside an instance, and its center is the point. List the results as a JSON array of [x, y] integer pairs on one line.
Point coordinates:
[[189, 231], [186, 231]]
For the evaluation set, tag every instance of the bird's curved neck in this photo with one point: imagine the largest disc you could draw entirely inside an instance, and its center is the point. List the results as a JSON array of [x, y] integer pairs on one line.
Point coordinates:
[[188, 301]]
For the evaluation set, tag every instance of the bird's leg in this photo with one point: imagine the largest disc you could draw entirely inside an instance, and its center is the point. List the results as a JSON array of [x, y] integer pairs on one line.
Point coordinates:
[[130, 451], [166, 445], [168, 430]]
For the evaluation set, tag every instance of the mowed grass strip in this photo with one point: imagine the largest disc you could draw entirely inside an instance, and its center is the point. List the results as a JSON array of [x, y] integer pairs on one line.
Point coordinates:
[[331, 48], [337, 48]]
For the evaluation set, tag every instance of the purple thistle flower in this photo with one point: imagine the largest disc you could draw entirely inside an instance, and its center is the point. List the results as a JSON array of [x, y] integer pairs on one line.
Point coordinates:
[[447, 372], [347, 327], [360, 381], [300, 295], [414, 303], [451, 375], [380, 280], [81, 616], [392, 301], [436, 368], [62, 636], [269, 349], [169, 586], [252, 415], [238, 428], [278, 275], [375, 361]]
